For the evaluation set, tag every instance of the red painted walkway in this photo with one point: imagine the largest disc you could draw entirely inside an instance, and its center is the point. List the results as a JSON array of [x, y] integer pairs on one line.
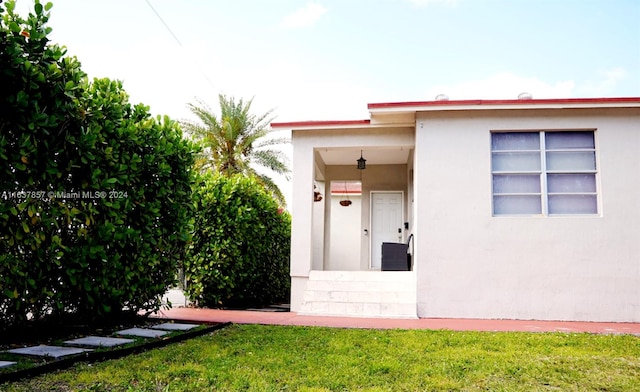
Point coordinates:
[[292, 318]]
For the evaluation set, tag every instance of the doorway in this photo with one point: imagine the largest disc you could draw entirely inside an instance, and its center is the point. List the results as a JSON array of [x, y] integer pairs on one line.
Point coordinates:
[[386, 223]]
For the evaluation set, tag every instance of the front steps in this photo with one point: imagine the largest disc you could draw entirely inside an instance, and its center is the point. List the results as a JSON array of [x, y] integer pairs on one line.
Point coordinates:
[[388, 294]]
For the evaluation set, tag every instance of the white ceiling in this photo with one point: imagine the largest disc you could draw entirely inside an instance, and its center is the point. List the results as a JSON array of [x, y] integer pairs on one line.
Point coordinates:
[[374, 156]]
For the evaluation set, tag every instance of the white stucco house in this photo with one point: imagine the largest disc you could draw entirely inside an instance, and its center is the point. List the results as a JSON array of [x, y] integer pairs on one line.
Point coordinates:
[[519, 209]]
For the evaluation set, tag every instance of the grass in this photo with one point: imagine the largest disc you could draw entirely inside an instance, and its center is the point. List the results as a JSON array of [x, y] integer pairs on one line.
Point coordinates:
[[276, 358]]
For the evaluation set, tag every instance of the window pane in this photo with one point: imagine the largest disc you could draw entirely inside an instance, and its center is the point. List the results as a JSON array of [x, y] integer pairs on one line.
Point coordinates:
[[573, 204], [514, 183], [516, 161], [571, 183], [571, 161], [568, 140], [515, 141], [514, 205]]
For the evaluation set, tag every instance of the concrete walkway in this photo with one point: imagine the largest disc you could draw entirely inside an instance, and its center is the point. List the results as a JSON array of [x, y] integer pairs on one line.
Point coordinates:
[[292, 318]]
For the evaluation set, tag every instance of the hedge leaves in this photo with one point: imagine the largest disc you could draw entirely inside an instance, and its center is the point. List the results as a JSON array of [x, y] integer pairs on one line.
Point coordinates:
[[95, 194], [240, 251]]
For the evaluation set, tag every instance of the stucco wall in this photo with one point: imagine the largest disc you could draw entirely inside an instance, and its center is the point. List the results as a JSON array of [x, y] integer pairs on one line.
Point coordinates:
[[345, 235], [318, 229], [474, 265]]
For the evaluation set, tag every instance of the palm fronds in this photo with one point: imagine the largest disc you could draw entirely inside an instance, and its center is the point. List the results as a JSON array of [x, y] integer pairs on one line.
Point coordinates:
[[235, 139]]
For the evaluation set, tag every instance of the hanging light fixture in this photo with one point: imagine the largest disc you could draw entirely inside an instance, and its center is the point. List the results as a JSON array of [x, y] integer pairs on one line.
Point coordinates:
[[345, 202], [362, 163]]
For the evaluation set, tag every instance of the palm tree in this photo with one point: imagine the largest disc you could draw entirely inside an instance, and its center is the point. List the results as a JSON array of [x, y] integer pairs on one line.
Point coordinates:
[[236, 140]]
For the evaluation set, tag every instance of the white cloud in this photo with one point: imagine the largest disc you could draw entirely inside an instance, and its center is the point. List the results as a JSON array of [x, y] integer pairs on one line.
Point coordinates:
[[613, 76], [504, 86], [304, 17], [424, 3], [605, 83], [298, 93]]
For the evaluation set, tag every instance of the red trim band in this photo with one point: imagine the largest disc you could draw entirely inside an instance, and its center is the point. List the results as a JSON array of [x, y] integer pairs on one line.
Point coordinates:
[[472, 102], [327, 123]]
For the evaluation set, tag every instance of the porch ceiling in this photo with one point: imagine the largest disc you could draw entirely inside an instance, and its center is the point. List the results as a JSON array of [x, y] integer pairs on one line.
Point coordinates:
[[374, 156]]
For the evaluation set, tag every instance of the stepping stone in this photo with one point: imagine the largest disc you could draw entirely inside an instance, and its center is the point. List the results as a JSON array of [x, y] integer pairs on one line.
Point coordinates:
[[4, 364], [176, 326], [142, 332], [48, 351], [99, 341]]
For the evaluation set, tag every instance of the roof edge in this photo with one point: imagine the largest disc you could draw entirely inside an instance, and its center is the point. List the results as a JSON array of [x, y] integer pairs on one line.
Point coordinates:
[[487, 102], [464, 104], [317, 124]]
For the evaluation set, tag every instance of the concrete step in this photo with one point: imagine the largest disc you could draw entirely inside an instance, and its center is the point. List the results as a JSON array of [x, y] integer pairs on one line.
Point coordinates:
[[389, 294]]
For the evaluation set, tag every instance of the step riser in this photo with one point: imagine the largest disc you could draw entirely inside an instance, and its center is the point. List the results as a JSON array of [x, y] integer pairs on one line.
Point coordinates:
[[360, 294]]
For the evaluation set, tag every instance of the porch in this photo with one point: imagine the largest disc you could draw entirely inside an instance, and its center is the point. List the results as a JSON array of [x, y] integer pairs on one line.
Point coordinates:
[[355, 182], [355, 212]]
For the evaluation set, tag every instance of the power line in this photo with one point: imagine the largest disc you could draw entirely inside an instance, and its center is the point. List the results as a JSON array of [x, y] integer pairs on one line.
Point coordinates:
[[165, 24], [177, 40]]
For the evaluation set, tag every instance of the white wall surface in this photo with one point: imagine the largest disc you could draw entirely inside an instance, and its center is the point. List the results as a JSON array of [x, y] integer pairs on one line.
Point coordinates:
[[318, 229], [474, 265], [345, 234]]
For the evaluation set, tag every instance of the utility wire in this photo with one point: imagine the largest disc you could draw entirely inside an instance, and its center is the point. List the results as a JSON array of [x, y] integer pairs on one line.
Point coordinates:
[[165, 24], [176, 38]]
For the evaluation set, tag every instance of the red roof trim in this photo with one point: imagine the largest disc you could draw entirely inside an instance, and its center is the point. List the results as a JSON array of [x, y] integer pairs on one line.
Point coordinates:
[[470, 102], [328, 123], [349, 187]]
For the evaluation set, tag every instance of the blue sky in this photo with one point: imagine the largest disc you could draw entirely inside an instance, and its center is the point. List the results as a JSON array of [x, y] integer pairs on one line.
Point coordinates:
[[326, 59]]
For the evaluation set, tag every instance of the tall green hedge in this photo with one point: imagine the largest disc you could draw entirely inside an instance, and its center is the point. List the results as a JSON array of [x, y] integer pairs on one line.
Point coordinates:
[[240, 251], [95, 194]]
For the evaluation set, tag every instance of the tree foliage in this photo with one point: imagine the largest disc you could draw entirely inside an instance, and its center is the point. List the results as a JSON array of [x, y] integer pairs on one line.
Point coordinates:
[[236, 139], [95, 194], [240, 251]]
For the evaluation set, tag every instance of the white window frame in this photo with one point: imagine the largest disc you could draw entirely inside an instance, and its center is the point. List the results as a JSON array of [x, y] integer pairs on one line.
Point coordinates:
[[544, 172]]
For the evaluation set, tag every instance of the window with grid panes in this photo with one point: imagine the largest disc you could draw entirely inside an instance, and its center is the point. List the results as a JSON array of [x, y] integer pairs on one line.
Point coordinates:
[[544, 173]]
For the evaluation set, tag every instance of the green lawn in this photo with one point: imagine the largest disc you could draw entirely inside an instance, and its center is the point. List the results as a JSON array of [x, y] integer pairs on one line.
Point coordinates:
[[275, 358]]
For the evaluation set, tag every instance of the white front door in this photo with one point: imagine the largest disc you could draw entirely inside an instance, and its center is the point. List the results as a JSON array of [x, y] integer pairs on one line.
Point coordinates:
[[386, 223]]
